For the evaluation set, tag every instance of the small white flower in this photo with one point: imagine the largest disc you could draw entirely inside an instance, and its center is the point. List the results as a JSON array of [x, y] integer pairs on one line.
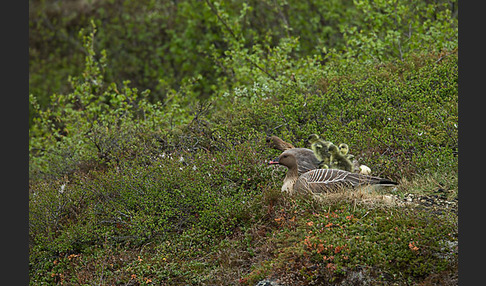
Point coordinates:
[[194, 168], [181, 159], [62, 188]]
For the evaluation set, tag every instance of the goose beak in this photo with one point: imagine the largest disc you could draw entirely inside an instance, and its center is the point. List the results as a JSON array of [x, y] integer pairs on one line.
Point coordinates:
[[274, 161]]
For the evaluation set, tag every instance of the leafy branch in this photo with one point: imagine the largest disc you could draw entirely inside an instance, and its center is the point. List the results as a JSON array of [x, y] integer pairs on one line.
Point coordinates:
[[233, 34]]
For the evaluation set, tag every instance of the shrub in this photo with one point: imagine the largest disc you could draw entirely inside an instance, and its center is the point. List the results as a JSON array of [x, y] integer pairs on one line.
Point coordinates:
[[219, 46], [395, 122], [170, 185]]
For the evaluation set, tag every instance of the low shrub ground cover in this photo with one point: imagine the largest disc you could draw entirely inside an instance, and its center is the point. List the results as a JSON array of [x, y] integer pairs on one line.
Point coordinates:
[[128, 190], [199, 205]]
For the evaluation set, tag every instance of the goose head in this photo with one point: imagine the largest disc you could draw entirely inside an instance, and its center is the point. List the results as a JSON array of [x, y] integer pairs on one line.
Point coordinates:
[[286, 159], [277, 143]]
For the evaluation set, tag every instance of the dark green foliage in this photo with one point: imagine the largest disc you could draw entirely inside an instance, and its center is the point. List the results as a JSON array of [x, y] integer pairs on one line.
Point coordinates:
[[147, 155], [207, 194], [394, 122], [216, 46]]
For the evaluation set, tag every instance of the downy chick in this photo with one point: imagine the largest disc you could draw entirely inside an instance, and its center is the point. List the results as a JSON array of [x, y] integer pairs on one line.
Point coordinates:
[[344, 149], [357, 167], [321, 149], [338, 160]]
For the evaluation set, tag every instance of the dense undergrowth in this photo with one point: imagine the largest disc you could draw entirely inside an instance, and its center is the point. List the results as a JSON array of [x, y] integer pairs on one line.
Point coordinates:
[[170, 186]]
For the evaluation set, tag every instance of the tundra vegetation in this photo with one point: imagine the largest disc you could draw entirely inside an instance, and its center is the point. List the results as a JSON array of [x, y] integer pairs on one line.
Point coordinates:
[[147, 155]]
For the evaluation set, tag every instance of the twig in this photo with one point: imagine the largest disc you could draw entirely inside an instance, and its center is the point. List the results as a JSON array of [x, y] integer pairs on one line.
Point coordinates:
[[284, 19], [275, 128], [442, 57], [213, 9], [60, 33], [365, 214]]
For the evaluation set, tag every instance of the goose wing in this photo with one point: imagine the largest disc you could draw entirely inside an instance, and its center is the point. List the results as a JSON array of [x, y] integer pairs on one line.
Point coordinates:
[[306, 160], [326, 180]]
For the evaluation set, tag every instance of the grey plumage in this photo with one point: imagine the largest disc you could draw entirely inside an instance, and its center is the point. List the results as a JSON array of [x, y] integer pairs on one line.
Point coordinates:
[[306, 159], [322, 180], [331, 180]]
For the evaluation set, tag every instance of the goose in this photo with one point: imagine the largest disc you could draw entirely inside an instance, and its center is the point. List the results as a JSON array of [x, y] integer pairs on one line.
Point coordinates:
[[320, 148], [277, 143], [338, 160], [322, 180], [306, 159]]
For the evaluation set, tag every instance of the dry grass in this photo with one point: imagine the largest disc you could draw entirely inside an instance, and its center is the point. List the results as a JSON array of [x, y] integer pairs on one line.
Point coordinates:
[[430, 184], [359, 197]]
